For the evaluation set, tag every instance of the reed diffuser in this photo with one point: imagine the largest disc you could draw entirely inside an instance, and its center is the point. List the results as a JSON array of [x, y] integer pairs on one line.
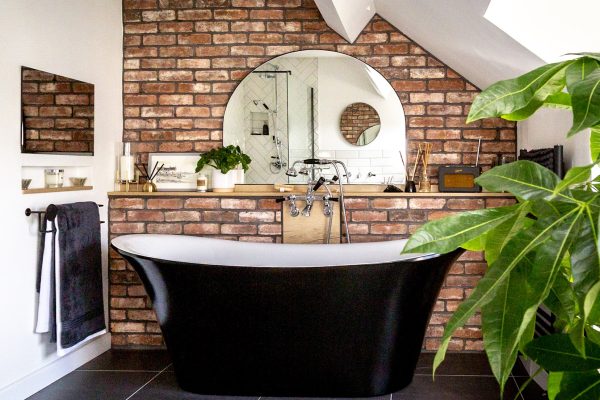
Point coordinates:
[[425, 185], [149, 185]]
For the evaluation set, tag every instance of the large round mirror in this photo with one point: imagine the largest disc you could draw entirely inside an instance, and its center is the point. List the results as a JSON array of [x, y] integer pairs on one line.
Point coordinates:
[[360, 124], [290, 108]]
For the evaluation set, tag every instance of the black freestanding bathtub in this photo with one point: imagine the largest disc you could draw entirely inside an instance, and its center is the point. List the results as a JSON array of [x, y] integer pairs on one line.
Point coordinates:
[[341, 320]]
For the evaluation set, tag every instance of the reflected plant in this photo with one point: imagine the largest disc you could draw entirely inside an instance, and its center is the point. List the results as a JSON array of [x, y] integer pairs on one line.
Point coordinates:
[[542, 250], [224, 159]]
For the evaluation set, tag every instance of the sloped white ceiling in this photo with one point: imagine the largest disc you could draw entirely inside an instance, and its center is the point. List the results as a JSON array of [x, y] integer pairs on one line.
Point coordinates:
[[549, 28], [347, 17], [457, 33]]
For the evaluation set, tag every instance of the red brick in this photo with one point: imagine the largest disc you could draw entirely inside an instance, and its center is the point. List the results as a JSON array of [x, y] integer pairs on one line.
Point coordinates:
[[127, 227], [388, 229], [245, 204], [257, 216], [201, 229], [171, 229], [360, 216], [200, 202], [127, 302], [426, 203], [269, 229], [140, 215], [238, 229], [165, 203], [389, 203]]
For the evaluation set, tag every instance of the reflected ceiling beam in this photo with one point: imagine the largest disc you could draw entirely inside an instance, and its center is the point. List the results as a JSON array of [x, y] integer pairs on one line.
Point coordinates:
[[347, 17]]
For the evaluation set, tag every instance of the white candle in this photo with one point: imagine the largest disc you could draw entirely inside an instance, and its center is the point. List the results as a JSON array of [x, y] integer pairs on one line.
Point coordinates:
[[126, 168]]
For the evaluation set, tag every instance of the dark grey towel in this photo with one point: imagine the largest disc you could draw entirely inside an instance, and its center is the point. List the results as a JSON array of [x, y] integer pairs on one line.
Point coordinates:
[[81, 297]]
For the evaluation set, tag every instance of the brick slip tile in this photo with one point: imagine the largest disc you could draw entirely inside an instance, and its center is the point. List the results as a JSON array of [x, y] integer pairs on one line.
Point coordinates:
[[136, 291], [245, 204], [408, 215], [194, 15], [358, 229], [443, 134], [141, 315], [366, 216], [182, 216], [167, 203], [171, 229], [389, 203], [427, 203], [118, 290], [256, 239], [134, 216], [465, 204], [356, 203], [175, 27], [201, 229], [127, 327], [389, 229], [127, 302], [451, 294], [118, 315], [270, 229], [125, 227], [457, 269], [256, 216], [471, 256], [220, 216], [491, 202], [475, 268], [129, 203], [238, 229]]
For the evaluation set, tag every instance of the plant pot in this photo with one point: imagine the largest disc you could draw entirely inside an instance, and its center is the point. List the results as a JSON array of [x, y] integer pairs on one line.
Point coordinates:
[[223, 182], [239, 176]]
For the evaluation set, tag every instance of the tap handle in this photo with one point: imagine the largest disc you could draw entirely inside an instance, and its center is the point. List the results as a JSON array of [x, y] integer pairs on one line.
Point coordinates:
[[335, 178], [319, 183], [280, 199]]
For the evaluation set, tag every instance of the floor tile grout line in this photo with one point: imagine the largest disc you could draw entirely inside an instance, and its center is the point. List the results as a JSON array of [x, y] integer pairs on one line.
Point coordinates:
[[145, 384]]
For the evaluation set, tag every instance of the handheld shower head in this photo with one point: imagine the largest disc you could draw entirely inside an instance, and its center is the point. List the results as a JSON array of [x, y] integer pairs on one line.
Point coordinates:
[[291, 172]]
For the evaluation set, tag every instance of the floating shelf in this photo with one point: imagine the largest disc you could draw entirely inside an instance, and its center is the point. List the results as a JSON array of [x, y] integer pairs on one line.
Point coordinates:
[[60, 189]]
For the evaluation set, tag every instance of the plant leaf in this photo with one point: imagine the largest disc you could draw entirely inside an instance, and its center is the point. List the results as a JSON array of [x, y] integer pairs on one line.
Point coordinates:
[[579, 70], [591, 305], [521, 245], [585, 262], [575, 175], [557, 353], [558, 100], [579, 386], [498, 237], [595, 142], [446, 234], [524, 179], [585, 100], [508, 96]]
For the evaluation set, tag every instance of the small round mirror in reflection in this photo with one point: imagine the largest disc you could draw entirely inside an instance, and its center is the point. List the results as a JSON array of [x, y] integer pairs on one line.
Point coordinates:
[[360, 124]]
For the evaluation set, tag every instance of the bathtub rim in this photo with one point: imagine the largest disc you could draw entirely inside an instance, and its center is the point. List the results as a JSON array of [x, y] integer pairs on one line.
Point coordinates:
[[410, 257]]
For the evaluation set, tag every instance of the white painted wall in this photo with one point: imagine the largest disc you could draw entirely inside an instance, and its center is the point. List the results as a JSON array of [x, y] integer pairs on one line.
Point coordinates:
[[549, 127], [337, 91], [80, 39]]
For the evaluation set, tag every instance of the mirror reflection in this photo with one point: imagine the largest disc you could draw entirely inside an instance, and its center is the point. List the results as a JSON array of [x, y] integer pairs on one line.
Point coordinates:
[[290, 109], [360, 124], [57, 114]]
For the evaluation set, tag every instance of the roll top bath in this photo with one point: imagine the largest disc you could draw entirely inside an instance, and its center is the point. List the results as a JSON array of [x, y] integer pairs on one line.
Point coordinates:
[[342, 320]]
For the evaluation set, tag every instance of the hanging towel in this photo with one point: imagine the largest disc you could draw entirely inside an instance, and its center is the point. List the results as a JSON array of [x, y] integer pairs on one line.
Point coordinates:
[[44, 285], [71, 294], [78, 274]]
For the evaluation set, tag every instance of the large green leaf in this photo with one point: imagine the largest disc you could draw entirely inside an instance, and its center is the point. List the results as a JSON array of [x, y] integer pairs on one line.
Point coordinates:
[[575, 176], [514, 252], [579, 70], [585, 261], [585, 100], [498, 237], [524, 179], [591, 305], [562, 300], [579, 386], [595, 142], [557, 353], [560, 100], [506, 97], [447, 234]]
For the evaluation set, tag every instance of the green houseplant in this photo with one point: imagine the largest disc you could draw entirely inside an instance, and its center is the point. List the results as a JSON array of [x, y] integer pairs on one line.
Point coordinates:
[[542, 250], [224, 160]]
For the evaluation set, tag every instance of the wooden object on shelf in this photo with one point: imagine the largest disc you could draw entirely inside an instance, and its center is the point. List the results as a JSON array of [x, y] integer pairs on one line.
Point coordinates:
[[59, 189], [311, 229]]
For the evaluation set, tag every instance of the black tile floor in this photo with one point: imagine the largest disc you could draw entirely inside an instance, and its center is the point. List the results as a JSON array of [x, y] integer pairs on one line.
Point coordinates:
[[147, 375]]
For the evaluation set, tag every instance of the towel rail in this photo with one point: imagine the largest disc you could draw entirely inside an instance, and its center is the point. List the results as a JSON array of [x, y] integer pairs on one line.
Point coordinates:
[[49, 214]]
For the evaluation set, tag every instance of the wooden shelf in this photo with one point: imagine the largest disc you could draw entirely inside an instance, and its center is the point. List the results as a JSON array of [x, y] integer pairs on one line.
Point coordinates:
[[60, 189]]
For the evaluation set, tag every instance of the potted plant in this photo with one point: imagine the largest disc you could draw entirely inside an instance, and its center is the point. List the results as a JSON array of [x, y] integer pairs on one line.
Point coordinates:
[[224, 160], [543, 249]]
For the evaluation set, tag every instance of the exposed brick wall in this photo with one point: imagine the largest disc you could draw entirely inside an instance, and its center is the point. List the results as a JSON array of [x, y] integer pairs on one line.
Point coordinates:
[[184, 58], [357, 118], [58, 113], [259, 219]]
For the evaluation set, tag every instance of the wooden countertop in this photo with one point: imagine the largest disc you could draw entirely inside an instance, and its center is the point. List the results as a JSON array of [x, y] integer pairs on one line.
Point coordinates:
[[268, 191]]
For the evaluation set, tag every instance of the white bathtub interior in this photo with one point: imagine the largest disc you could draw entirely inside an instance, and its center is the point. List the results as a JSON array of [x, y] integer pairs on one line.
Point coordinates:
[[200, 250]]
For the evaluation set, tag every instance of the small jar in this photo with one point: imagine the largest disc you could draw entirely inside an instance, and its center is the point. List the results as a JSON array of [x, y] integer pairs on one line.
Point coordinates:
[[54, 178], [202, 183]]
